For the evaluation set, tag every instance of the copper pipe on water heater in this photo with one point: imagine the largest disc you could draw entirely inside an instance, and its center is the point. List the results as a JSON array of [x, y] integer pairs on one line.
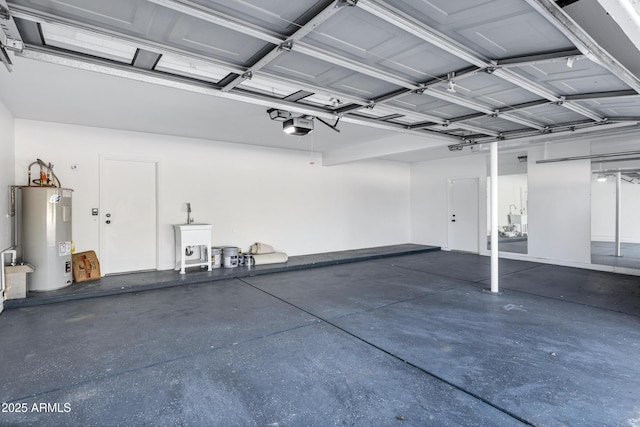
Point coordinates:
[[45, 177]]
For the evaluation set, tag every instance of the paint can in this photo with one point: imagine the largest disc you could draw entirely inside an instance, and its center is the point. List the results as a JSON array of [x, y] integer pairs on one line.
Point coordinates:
[[216, 257], [230, 256]]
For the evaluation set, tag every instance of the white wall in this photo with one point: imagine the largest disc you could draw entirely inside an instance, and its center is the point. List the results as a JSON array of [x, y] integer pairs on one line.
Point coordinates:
[[560, 204], [248, 193], [603, 211], [559, 212], [6, 175]]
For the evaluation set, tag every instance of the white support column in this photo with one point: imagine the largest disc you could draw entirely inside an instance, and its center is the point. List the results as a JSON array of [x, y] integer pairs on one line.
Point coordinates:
[[494, 216], [618, 210]]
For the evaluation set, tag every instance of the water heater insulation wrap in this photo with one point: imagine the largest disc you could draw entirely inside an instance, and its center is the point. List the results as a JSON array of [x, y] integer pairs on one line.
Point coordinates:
[[45, 236]]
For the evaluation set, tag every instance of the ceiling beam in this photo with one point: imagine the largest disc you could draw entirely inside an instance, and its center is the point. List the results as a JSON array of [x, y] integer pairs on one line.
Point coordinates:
[[489, 111], [285, 46], [37, 16], [561, 131], [460, 119], [589, 157], [449, 121], [430, 35], [542, 58], [189, 8], [408, 86], [587, 45], [9, 34], [418, 29], [194, 10], [519, 61], [601, 95], [457, 75]]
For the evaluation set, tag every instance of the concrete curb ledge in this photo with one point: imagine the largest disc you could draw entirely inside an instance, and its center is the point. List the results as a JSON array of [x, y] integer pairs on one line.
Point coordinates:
[[146, 281]]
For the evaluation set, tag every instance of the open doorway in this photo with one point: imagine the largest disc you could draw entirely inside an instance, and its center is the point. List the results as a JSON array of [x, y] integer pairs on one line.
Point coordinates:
[[615, 209], [513, 231]]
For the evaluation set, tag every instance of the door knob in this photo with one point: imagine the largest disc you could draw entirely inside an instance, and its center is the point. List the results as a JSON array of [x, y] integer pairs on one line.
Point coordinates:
[[108, 221], [108, 215]]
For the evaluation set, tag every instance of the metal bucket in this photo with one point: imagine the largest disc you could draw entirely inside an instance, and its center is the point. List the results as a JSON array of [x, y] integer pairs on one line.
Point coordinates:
[[230, 257]]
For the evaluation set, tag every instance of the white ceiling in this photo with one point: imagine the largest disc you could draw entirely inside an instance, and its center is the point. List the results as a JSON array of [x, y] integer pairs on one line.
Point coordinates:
[[46, 90]]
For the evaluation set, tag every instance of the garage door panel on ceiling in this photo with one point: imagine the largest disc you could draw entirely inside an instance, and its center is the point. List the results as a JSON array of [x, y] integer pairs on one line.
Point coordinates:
[[507, 96], [314, 71], [128, 15], [363, 86], [586, 84], [481, 64], [372, 38], [378, 43], [514, 36], [495, 124], [625, 107], [199, 36], [279, 16], [550, 114], [422, 62], [492, 28], [582, 76], [447, 13], [433, 106], [580, 65], [301, 67], [487, 88]]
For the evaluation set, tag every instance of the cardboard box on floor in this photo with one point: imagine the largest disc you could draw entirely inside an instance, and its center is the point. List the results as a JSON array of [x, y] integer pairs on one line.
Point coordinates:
[[85, 266]]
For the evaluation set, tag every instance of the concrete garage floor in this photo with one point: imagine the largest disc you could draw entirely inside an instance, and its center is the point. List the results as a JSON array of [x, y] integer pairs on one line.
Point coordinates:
[[408, 340]]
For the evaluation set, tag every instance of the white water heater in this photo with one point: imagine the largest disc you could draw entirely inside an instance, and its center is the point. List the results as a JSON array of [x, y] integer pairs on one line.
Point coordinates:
[[44, 235]]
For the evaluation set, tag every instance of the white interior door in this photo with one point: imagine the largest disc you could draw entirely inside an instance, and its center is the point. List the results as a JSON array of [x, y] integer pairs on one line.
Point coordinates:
[[128, 216], [463, 214]]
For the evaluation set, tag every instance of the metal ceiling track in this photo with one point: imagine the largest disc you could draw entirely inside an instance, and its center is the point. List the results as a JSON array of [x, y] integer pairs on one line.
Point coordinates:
[[282, 44], [35, 16], [9, 35], [430, 35], [561, 131], [587, 45], [287, 45], [589, 157], [189, 8]]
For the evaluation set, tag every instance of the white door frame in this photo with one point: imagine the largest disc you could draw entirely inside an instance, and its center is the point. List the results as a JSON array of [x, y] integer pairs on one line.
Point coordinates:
[[102, 202], [450, 181]]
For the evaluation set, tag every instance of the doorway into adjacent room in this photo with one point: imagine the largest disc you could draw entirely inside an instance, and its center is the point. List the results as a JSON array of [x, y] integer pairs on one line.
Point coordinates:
[[463, 214], [513, 196], [615, 199], [128, 216]]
